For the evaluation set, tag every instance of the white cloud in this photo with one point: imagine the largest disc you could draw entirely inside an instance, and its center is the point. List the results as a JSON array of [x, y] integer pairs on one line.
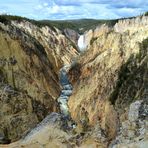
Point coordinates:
[[54, 9], [72, 9], [45, 4], [39, 7], [3, 12]]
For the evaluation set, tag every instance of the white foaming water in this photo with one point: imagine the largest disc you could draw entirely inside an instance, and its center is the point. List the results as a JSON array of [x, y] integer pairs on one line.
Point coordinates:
[[66, 91], [81, 44]]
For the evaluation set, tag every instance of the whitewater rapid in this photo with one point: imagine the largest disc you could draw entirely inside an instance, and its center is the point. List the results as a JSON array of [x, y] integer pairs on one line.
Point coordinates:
[[66, 90]]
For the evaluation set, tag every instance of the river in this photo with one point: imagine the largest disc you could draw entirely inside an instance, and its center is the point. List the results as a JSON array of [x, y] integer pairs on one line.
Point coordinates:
[[66, 86], [66, 90]]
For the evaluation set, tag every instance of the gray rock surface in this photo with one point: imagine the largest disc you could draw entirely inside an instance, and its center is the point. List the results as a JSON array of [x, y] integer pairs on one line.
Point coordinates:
[[133, 132]]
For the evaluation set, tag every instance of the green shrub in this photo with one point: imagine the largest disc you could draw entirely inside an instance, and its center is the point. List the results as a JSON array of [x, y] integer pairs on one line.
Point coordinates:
[[3, 19], [92, 40], [146, 14]]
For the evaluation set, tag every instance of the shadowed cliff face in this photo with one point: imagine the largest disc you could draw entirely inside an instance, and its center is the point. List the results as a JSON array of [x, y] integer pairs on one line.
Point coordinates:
[[30, 60]]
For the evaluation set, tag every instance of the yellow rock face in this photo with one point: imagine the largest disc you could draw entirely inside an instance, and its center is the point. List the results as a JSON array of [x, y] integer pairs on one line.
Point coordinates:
[[29, 67], [98, 72]]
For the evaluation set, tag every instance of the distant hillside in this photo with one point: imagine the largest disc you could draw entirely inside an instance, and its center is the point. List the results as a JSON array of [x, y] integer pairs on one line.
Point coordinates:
[[79, 25]]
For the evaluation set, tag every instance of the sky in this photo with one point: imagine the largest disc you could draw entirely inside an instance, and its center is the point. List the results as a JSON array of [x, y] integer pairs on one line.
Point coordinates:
[[73, 9]]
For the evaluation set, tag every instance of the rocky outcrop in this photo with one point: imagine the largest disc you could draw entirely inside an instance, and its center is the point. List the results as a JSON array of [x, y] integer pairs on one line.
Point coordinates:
[[30, 60], [17, 112], [72, 35], [46, 134], [110, 75], [134, 127], [59, 49], [91, 35], [51, 133], [124, 25], [131, 25]]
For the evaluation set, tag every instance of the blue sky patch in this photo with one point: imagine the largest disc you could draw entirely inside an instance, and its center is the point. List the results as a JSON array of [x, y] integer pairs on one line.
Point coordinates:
[[74, 9]]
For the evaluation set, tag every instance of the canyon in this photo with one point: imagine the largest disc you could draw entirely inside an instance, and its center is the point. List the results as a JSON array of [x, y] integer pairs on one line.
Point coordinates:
[[63, 89]]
